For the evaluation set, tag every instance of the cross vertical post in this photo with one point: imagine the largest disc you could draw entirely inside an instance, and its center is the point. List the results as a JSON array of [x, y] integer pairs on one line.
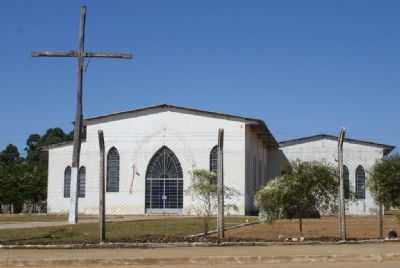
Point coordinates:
[[76, 150], [80, 54]]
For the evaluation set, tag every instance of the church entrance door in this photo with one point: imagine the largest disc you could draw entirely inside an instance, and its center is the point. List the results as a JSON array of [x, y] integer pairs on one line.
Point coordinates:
[[164, 183]]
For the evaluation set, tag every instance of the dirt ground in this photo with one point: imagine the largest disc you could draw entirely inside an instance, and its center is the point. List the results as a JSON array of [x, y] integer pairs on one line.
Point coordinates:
[[362, 255], [281, 265], [362, 227]]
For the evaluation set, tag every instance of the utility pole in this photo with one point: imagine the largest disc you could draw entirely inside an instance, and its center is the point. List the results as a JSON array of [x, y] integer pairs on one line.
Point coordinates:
[[102, 202], [342, 216], [80, 54], [220, 185]]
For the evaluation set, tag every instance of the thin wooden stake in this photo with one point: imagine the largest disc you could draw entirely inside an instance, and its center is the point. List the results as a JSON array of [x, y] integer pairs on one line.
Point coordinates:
[[102, 201], [220, 185], [342, 216], [380, 218]]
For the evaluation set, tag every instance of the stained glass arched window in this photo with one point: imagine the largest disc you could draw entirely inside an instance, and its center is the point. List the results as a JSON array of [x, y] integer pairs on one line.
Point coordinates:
[[360, 183], [82, 182], [112, 184], [214, 159], [67, 182], [346, 182]]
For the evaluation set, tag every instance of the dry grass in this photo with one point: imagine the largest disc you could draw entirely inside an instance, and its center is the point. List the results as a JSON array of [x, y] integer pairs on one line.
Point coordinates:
[[170, 229], [14, 218], [362, 227], [155, 230]]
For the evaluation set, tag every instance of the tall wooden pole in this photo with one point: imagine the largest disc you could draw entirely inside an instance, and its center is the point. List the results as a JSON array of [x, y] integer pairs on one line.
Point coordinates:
[[73, 211], [342, 219], [220, 185], [102, 201]]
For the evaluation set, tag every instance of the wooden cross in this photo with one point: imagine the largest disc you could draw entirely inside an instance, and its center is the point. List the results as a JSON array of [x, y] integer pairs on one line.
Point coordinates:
[[80, 54]]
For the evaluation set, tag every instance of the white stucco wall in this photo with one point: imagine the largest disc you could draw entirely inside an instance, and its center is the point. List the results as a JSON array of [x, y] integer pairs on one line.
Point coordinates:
[[257, 173], [325, 150], [188, 135]]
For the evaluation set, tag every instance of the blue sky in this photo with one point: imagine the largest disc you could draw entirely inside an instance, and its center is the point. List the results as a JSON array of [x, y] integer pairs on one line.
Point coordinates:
[[305, 67]]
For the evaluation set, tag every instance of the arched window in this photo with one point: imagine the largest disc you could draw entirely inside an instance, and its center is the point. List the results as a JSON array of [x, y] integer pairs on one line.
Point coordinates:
[[346, 182], [67, 182], [360, 183], [214, 159], [164, 183], [82, 182], [112, 170]]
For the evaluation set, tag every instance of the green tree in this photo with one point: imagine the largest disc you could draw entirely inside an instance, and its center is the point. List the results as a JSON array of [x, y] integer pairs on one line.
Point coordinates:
[[204, 189], [24, 180], [10, 155], [307, 188], [35, 171], [384, 181], [10, 179]]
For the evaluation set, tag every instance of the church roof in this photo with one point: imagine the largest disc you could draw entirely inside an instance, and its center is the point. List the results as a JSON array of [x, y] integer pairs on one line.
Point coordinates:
[[387, 148], [258, 124], [169, 107]]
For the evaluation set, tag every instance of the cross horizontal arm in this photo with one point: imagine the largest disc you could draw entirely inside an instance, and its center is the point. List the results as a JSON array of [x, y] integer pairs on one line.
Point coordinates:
[[108, 55], [71, 53], [74, 53]]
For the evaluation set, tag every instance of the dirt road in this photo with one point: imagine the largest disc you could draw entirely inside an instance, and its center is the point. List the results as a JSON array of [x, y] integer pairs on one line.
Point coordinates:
[[369, 255]]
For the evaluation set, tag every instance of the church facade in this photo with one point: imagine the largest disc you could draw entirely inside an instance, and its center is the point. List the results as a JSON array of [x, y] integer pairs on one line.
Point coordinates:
[[152, 152]]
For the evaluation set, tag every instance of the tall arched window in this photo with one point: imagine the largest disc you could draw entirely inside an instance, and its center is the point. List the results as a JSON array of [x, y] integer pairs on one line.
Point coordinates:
[[214, 159], [112, 170], [360, 183], [346, 182], [82, 182], [164, 183], [67, 182]]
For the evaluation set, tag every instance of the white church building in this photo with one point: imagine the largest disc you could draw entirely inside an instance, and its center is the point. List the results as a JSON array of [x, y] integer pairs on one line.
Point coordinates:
[[152, 152]]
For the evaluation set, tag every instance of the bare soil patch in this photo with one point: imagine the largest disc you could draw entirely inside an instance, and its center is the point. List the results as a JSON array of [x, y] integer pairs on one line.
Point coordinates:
[[326, 228]]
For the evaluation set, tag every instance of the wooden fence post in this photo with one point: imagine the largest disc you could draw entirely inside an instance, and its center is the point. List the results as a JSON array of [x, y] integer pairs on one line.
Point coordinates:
[[220, 185], [342, 219], [380, 218], [102, 201]]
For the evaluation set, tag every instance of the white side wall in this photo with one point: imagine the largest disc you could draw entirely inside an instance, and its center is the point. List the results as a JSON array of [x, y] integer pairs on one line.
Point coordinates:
[[325, 150], [189, 136], [257, 172]]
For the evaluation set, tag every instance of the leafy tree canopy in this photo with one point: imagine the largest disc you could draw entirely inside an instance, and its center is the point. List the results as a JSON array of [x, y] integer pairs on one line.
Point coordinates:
[[25, 179], [308, 187], [384, 181], [10, 154]]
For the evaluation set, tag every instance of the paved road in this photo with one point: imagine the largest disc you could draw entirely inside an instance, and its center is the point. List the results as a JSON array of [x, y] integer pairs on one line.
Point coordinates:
[[366, 255]]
